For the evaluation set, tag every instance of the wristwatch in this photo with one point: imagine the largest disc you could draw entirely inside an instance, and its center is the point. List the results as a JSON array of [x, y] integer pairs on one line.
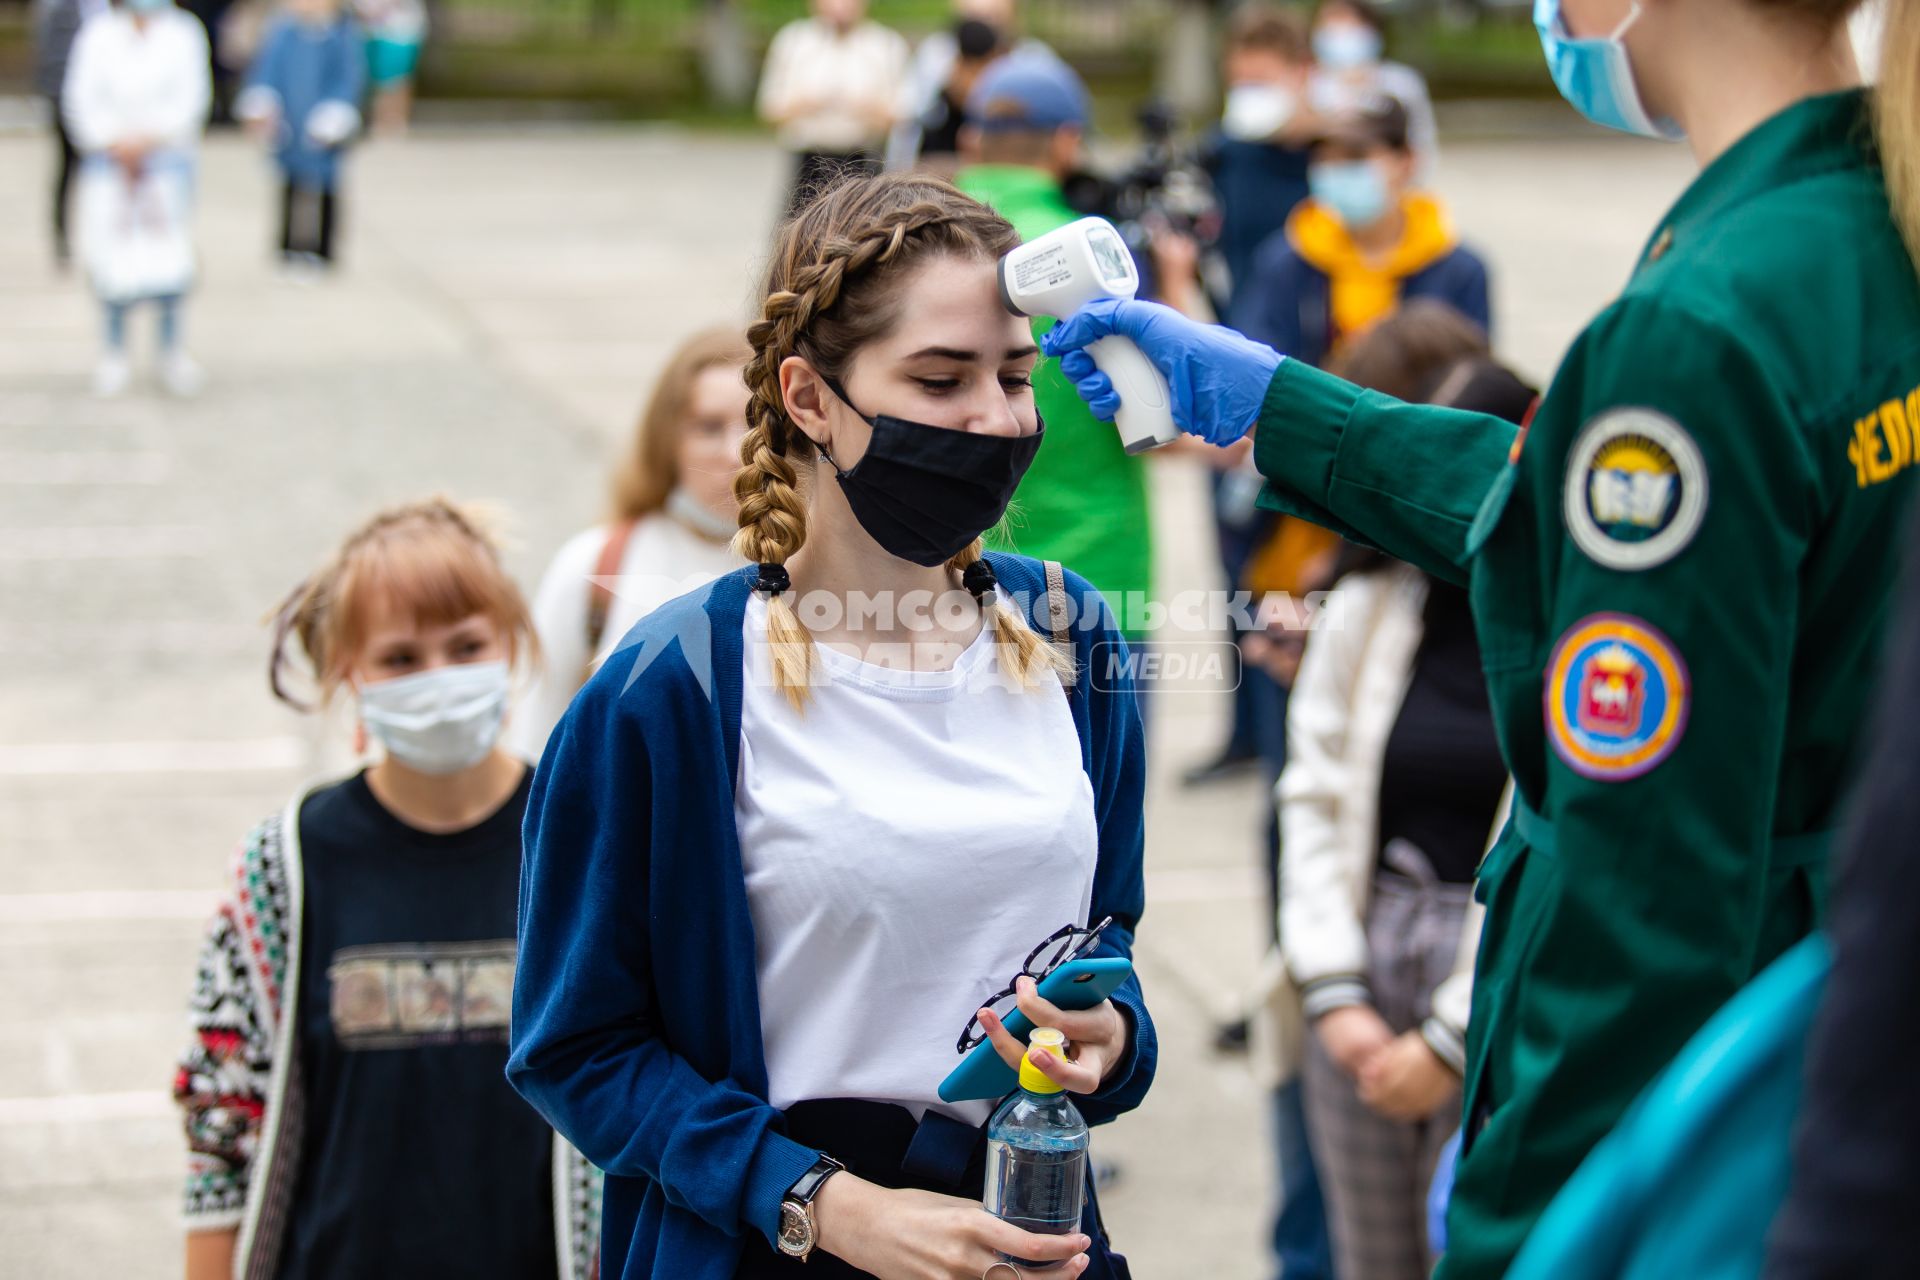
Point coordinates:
[[798, 1230]]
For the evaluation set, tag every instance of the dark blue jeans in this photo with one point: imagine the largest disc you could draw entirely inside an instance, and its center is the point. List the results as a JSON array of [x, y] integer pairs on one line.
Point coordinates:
[[1301, 1244]]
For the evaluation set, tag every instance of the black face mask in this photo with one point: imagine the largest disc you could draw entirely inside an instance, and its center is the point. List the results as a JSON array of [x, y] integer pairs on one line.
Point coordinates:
[[924, 493]]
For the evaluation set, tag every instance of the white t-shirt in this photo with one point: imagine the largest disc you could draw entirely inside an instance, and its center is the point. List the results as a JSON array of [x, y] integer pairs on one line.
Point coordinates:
[[907, 840], [664, 559]]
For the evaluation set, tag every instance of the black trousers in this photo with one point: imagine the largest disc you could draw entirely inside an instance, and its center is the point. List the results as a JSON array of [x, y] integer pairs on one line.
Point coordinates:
[[882, 1143], [307, 217], [62, 183], [816, 171]]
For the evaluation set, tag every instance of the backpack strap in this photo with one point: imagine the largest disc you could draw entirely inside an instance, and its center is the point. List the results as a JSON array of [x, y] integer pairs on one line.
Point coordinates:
[[599, 595], [1057, 617]]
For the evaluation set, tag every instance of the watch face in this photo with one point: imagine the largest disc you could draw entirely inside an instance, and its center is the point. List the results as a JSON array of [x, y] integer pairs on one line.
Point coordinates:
[[796, 1231]]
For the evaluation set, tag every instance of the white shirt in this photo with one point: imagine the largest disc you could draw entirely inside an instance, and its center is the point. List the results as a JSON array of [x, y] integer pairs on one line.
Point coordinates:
[[848, 77], [664, 559], [907, 840], [124, 82]]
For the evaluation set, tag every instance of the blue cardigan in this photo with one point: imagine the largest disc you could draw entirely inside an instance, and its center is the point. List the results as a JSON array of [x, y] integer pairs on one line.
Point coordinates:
[[636, 1019]]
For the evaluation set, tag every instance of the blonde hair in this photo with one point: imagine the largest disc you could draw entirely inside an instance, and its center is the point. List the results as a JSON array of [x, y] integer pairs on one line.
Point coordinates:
[[652, 466], [1896, 101], [1897, 116], [832, 288], [432, 559]]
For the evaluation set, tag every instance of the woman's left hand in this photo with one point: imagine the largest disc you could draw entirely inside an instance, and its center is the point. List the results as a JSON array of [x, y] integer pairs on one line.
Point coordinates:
[[1406, 1080], [1096, 1039]]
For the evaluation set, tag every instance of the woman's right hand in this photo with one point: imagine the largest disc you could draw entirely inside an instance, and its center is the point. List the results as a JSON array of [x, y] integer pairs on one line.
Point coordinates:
[[917, 1235]]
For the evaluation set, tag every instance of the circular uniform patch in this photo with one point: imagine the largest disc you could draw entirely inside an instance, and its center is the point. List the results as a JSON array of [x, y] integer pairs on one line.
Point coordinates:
[[1636, 489], [1616, 697]]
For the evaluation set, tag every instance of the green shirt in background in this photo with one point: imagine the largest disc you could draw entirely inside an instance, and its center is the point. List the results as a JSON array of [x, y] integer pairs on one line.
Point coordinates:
[[1084, 501]]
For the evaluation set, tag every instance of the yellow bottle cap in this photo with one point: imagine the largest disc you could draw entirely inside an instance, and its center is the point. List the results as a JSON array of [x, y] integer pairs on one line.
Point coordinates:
[[1032, 1078]]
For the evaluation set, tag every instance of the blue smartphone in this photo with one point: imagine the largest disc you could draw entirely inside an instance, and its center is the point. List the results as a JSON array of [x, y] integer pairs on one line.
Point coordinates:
[[1075, 985]]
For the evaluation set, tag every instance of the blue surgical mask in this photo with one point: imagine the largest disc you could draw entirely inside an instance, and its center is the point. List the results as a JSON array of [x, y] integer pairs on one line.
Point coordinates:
[[146, 6], [1355, 190], [1593, 73], [1345, 45]]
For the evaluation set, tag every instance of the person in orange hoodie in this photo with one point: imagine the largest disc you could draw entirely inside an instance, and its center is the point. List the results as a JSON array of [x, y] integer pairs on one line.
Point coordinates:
[[1350, 254], [1362, 243]]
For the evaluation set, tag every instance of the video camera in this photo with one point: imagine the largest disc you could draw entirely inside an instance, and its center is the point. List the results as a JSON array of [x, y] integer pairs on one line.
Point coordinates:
[[1164, 188]]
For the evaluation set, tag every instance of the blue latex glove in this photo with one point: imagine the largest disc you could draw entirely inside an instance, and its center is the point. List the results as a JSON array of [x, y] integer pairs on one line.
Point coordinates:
[[1218, 378], [1440, 1192]]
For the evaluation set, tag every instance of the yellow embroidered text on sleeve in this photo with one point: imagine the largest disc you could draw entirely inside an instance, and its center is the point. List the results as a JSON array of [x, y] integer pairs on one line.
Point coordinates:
[[1882, 442]]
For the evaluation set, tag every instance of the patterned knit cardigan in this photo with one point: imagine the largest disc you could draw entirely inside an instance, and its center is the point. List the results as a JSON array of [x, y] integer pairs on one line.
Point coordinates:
[[239, 1080]]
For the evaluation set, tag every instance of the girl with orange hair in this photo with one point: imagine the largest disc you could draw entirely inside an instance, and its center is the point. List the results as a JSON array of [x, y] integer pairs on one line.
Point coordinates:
[[346, 1107]]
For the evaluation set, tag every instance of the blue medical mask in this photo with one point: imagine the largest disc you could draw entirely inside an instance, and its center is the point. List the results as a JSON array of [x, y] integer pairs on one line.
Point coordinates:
[[1355, 190], [146, 6], [1344, 46], [1594, 74]]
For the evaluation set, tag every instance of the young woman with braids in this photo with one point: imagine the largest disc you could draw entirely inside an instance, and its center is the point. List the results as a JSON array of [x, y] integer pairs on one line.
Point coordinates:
[[805, 821], [346, 1108]]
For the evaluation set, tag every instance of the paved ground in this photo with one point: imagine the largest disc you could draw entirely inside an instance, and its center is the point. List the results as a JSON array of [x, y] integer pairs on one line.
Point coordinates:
[[507, 296]]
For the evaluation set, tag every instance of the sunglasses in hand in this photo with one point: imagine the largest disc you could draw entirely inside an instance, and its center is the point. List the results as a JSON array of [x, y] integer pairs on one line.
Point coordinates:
[[1067, 943]]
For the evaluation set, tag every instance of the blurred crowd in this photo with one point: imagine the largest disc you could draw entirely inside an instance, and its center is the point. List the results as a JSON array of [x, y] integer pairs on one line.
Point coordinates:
[[131, 86]]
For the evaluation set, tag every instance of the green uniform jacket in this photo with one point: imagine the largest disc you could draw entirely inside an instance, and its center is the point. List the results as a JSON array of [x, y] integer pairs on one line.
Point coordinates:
[[1084, 501], [1679, 580]]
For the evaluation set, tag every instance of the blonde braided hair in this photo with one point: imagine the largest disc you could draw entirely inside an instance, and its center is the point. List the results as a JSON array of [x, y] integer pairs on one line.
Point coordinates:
[[830, 290]]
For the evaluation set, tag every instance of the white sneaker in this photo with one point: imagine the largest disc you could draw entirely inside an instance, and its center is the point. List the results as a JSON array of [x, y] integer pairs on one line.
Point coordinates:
[[112, 375], [180, 375]]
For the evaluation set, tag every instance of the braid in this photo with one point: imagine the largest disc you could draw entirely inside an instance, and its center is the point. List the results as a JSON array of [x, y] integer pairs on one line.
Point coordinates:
[[1024, 654], [773, 514]]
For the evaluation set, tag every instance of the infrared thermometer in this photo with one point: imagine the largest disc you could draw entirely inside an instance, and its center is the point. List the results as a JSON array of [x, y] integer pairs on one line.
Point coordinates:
[[1064, 270]]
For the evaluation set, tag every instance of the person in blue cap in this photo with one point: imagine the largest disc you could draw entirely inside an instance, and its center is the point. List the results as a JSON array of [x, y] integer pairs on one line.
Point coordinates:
[[1680, 570]]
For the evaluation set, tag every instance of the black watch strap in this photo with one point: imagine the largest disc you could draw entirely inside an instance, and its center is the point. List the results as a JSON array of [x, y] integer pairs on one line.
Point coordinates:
[[808, 1184]]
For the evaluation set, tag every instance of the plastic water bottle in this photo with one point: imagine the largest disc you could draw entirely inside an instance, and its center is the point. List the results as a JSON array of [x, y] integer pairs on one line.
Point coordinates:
[[1037, 1154]]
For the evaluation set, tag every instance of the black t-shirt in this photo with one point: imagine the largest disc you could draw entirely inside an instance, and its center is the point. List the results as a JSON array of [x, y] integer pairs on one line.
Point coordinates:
[[419, 1158], [1441, 779]]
